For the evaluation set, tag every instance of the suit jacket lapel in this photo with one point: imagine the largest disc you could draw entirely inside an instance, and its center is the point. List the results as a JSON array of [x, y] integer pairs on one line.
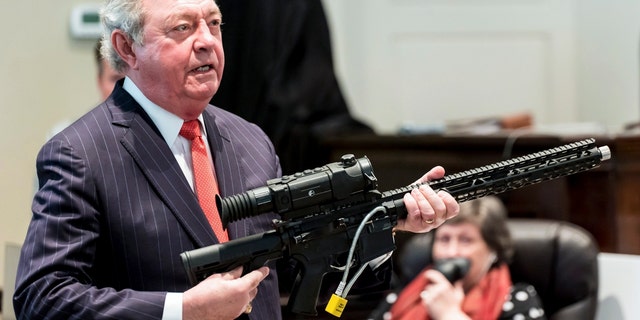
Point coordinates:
[[147, 147], [224, 156], [227, 164]]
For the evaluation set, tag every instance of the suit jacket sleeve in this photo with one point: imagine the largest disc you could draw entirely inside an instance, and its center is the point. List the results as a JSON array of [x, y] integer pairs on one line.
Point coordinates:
[[58, 260]]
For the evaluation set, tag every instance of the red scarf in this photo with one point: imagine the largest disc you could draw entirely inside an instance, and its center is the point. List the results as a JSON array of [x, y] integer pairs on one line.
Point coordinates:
[[483, 302]]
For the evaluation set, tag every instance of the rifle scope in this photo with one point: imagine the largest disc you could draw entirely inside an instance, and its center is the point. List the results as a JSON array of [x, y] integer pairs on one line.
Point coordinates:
[[303, 192]]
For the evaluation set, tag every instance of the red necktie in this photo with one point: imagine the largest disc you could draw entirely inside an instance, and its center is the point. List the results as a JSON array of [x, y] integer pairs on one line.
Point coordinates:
[[203, 174]]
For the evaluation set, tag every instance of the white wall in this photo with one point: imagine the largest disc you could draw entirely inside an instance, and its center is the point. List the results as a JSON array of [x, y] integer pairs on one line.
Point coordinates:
[[434, 60], [608, 58], [619, 286], [12, 254], [47, 77]]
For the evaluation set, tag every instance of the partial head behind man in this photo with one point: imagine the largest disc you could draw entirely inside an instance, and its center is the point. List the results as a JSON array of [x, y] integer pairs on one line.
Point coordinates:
[[106, 75]]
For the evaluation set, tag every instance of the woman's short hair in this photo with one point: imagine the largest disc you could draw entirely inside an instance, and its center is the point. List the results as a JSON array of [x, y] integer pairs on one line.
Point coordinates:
[[490, 215]]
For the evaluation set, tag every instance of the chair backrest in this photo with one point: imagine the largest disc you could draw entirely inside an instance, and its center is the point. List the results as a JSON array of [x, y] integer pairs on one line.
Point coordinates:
[[559, 259]]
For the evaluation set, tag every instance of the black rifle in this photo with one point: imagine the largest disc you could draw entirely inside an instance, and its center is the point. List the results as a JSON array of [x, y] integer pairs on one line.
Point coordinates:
[[322, 209]]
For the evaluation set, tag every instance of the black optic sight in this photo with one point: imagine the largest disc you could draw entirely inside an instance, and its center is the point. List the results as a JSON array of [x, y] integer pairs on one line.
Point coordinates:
[[303, 192]]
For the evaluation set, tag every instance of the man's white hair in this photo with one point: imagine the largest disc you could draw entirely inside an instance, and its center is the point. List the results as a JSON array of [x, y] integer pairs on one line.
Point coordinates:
[[127, 16]]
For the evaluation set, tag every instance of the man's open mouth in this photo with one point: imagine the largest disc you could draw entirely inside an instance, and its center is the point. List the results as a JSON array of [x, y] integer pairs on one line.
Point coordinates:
[[204, 68]]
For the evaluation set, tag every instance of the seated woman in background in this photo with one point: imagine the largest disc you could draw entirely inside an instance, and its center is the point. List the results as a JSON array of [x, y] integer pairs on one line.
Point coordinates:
[[479, 233]]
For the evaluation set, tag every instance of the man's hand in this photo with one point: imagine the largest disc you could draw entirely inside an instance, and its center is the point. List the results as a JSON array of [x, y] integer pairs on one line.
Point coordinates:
[[427, 209], [222, 295]]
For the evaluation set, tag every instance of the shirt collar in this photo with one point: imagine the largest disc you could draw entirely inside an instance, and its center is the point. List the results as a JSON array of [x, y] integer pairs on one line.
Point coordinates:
[[168, 123]]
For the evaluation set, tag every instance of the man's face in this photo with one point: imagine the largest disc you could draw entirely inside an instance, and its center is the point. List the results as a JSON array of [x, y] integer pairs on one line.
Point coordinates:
[[179, 65]]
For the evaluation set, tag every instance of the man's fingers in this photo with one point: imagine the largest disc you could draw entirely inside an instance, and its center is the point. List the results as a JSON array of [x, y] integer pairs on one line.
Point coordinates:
[[256, 276], [233, 274], [431, 205], [435, 173], [452, 206]]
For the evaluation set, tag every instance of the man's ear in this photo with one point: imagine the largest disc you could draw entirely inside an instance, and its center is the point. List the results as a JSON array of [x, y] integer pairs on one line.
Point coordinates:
[[124, 47]]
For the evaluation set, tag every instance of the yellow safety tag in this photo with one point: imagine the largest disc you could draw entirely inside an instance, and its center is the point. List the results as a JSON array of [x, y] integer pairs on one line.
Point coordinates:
[[336, 305]]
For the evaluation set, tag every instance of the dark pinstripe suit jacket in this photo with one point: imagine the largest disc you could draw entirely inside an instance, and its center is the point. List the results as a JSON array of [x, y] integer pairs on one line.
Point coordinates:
[[114, 211]]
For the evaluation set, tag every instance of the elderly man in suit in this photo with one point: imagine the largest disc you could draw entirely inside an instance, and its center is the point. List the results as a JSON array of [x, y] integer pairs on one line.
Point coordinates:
[[118, 197]]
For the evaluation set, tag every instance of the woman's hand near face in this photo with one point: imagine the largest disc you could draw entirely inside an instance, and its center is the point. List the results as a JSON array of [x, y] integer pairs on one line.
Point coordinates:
[[443, 300]]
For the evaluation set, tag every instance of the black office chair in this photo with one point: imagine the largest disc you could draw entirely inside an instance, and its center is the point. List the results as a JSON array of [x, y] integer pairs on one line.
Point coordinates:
[[559, 259]]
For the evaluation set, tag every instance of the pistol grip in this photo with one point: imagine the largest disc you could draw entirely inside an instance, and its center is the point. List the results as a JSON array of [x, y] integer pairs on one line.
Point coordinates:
[[304, 301]]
